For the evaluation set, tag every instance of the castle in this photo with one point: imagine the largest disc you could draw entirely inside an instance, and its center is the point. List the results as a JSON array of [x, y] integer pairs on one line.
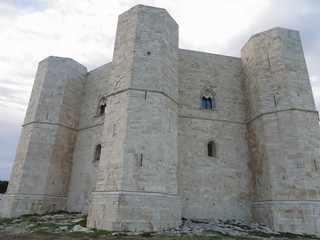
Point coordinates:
[[162, 133]]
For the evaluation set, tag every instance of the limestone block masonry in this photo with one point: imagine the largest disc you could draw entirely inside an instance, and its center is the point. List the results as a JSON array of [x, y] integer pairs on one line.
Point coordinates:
[[162, 133]]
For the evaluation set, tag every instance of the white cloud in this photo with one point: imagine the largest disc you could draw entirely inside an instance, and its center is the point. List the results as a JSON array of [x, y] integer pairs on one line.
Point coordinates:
[[211, 25]]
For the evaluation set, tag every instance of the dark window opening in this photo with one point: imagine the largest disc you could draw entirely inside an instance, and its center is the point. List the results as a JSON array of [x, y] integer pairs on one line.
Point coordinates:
[[212, 149], [102, 108], [97, 153], [206, 103]]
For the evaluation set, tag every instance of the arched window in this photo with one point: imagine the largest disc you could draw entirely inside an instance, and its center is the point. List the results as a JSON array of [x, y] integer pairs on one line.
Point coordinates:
[[207, 98], [97, 153], [102, 106], [212, 151]]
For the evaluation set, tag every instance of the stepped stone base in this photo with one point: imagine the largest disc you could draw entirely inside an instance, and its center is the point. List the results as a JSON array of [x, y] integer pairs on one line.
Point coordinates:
[[133, 211], [289, 216], [19, 204]]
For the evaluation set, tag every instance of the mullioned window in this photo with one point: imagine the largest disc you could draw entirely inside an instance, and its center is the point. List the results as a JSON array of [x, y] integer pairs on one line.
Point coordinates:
[[207, 99]]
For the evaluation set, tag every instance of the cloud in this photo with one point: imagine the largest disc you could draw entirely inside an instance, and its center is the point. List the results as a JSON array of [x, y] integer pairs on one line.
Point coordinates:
[[31, 30], [28, 4], [211, 26], [10, 132]]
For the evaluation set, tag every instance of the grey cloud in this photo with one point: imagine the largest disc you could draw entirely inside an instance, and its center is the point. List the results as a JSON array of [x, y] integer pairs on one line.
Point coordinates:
[[32, 4], [10, 131], [17, 97]]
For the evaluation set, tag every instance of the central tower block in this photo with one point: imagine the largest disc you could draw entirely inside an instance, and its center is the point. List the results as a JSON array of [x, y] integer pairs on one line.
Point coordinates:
[[137, 180]]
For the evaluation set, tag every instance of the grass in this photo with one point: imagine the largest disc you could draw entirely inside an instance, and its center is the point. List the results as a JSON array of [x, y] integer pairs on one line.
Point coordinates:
[[43, 232], [82, 223], [296, 236], [6, 221], [94, 234], [148, 234], [106, 235], [283, 235]]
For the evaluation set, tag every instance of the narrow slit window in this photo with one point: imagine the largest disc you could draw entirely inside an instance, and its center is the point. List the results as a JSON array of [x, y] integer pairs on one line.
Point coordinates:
[[97, 153], [212, 149]]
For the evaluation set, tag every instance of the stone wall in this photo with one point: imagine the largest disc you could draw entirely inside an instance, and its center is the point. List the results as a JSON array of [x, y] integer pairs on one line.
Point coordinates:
[[84, 167], [213, 187]]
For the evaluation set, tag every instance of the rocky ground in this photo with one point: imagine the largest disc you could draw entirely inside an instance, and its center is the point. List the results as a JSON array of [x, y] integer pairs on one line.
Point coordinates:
[[72, 226]]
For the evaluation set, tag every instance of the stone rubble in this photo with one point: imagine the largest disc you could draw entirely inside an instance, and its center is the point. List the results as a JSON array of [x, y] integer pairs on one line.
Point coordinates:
[[51, 217], [230, 227], [78, 228], [63, 228], [235, 228]]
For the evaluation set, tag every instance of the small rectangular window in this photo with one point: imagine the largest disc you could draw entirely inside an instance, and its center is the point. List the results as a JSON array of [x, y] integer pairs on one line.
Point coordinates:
[[212, 149], [209, 150], [97, 153]]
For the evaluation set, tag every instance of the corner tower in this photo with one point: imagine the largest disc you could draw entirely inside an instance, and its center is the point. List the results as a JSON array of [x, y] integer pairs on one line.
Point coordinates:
[[137, 181], [41, 170], [283, 131]]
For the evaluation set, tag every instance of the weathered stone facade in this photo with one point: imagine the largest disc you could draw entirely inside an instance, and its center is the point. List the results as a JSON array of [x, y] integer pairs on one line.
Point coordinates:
[[162, 133]]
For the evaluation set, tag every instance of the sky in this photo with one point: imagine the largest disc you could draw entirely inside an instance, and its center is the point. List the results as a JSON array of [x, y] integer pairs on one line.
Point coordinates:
[[84, 30]]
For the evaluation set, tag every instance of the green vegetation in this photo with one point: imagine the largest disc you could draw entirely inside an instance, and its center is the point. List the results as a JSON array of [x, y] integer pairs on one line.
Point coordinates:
[[3, 186], [148, 234], [6, 221], [82, 223]]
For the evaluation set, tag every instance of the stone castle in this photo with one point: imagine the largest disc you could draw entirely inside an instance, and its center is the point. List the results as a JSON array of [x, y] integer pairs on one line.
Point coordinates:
[[162, 133]]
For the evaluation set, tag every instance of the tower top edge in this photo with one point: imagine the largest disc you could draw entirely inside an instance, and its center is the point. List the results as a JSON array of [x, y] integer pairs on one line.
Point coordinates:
[[142, 7], [268, 32], [65, 60]]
